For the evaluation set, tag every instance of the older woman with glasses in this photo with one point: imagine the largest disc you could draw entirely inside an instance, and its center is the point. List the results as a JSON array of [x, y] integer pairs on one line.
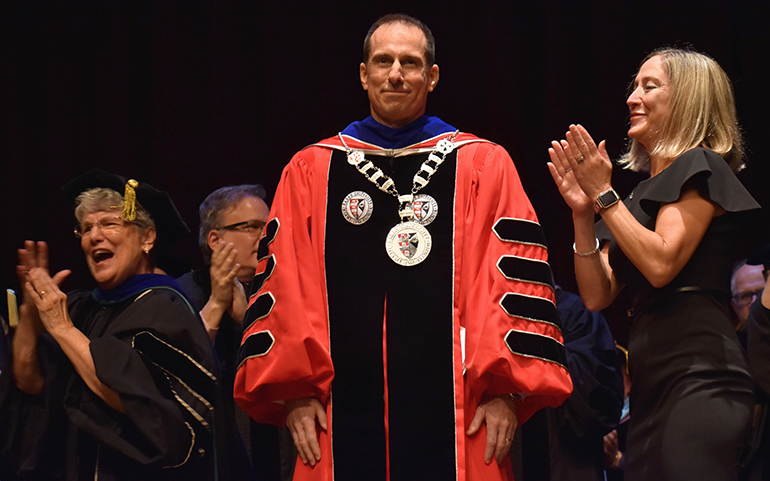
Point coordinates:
[[120, 382], [672, 243]]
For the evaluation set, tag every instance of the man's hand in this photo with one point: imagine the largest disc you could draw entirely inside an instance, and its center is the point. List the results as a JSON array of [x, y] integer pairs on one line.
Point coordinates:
[[223, 271], [223, 285], [301, 416], [612, 454], [240, 302], [499, 414]]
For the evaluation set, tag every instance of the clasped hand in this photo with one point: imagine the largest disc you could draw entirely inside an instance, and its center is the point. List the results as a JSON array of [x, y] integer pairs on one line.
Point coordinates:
[[226, 291], [581, 169], [43, 304]]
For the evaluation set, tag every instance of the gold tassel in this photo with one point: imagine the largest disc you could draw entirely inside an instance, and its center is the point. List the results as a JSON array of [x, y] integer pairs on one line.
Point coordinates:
[[129, 200]]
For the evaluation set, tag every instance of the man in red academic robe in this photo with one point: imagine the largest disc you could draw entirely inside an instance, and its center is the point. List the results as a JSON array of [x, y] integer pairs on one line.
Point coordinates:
[[399, 345]]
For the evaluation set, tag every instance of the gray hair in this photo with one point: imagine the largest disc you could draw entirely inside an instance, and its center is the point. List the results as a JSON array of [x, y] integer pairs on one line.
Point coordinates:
[[736, 267], [214, 206], [102, 199]]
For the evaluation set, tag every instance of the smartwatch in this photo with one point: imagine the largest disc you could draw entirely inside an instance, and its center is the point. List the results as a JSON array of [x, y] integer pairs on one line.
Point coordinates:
[[606, 199]]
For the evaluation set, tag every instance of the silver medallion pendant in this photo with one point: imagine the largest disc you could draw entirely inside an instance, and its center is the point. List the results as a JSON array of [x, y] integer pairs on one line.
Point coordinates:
[[446, 146], [424, 209], [355, 157], [408, 243], [357, 207]]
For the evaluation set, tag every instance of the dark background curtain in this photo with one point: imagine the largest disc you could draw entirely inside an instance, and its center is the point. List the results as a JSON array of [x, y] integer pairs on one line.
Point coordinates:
[[193, 95]]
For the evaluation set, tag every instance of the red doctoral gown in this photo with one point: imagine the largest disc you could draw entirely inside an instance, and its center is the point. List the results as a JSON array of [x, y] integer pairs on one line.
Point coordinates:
[[401, 356]]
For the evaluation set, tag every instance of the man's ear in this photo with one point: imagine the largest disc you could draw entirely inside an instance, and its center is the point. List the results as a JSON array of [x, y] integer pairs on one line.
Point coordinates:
[[363, 75], [214, 238], [432, 77]]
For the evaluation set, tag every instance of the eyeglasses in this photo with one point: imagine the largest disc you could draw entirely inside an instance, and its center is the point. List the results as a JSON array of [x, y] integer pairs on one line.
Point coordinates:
[[108, 226], [748, 297], [252, 227]]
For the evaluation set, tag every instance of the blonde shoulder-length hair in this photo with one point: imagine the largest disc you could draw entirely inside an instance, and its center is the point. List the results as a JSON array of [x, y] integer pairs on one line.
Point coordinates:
[[702, 112]]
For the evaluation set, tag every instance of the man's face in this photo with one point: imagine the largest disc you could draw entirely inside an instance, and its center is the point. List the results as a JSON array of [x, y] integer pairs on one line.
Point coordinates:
[[748, 282], [396, 76], [255, 211]]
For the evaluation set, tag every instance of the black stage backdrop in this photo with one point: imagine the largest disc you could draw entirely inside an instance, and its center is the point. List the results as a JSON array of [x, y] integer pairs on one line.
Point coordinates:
[[193, 95]]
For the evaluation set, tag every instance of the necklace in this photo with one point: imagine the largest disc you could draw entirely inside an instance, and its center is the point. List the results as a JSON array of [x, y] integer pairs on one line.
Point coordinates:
[[408, 243]]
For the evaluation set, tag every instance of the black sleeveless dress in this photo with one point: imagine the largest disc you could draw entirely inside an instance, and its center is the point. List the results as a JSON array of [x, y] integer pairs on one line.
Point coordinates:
[[692, 394]]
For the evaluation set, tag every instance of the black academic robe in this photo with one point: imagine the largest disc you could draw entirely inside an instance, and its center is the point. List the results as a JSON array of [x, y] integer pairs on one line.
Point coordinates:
[[758, 330], [152, 349]]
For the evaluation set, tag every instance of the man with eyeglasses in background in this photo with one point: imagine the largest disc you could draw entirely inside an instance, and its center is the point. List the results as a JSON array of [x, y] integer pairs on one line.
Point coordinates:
[[231, 222], [746, 284], [756, 462]]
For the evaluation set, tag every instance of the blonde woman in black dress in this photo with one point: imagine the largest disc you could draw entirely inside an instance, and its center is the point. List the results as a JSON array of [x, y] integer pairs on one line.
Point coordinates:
[[672, 243]]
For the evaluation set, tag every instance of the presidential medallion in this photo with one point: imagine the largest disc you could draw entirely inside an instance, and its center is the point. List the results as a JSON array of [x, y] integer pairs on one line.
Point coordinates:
[[357, 207], [425, 209], [408, 243]]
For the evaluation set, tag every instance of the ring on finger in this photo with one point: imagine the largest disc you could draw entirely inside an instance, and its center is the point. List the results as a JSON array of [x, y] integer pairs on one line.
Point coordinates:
[[581, 159], [42, 292], [567, 169]]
